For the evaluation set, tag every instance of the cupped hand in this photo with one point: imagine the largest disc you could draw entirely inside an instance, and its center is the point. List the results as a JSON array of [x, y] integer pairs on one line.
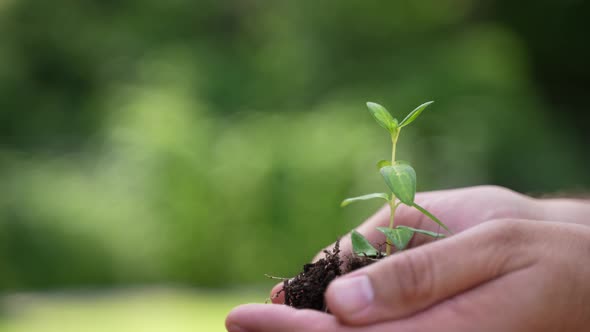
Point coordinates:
[[503, 275], [460, 209]]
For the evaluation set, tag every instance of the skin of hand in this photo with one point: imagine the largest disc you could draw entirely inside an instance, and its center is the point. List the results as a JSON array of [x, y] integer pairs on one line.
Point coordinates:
[[503, 275], [461, 209]]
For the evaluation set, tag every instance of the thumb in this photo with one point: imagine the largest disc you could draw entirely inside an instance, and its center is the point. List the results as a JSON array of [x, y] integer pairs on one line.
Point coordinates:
[[411, 281]]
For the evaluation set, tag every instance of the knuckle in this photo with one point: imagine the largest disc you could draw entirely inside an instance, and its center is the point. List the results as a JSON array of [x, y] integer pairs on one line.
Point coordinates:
[[506, 231], [508, 203], [507, 239], [494, 190], [415, 276]]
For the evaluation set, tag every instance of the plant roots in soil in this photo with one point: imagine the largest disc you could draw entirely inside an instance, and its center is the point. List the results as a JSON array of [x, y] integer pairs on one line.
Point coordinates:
[[306, 290]]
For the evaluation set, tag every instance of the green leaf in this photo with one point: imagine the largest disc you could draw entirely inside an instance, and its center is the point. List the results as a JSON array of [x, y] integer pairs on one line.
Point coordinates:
[[422, 231], [383, 163], [360, 245], [364, 198], [431, 216], [399, 237], [382, 116], [414, 114], [401, 179]]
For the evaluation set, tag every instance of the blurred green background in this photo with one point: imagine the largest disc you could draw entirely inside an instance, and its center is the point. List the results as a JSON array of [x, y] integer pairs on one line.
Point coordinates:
[[158, 157]]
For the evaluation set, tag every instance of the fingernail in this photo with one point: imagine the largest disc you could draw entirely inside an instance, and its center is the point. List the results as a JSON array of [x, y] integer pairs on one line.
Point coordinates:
[[351, 295], [236, 328]]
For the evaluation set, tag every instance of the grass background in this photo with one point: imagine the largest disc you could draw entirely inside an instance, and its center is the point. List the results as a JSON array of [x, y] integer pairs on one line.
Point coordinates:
[[138, 309]]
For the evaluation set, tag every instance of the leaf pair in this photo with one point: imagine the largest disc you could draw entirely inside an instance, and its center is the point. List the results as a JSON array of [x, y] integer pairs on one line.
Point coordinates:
[[400, 237], [401, 180], [385, 120]]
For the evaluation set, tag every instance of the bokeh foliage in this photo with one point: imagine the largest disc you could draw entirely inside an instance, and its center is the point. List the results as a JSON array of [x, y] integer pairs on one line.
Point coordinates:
[[208, 142]]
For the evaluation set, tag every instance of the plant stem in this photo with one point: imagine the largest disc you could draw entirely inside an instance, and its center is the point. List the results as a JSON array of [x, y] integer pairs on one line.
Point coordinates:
[[394, 138], [392, 208], [392, 204]]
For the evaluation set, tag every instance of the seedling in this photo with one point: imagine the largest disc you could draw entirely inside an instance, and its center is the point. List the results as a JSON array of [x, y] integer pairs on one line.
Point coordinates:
[[306, 290], [400, 178]]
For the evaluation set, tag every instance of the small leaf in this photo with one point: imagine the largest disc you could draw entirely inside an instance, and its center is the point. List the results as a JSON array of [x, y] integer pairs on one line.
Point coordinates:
[[383, 163], [364, 198], [414, 114], [360, 245], [423, 231], [431, 216], [401, 179], [382, 116], [399, 237]]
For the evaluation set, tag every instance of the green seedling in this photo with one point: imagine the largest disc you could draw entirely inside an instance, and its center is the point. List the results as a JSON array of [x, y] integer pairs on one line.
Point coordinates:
[[400, 178]]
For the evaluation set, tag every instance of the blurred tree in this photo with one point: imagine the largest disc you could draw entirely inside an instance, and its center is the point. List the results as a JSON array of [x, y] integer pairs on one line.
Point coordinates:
[[142, 141]]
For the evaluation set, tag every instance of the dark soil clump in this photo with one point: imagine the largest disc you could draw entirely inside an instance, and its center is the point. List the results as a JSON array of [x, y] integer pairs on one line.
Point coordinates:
[[306, 290]]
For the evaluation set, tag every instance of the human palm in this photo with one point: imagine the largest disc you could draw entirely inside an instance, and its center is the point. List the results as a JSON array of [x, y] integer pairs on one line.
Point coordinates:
[[512, 264]]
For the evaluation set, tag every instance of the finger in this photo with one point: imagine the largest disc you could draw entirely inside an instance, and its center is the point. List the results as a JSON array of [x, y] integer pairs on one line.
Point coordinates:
[[267, 318], [272, 318], [276, 294], [411, 281]]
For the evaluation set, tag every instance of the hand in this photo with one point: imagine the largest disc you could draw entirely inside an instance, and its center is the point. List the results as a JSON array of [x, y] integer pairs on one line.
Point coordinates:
[[460, 209], [504, 275]]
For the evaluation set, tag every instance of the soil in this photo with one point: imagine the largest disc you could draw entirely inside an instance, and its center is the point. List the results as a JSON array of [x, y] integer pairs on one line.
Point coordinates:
[[306, 290]]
